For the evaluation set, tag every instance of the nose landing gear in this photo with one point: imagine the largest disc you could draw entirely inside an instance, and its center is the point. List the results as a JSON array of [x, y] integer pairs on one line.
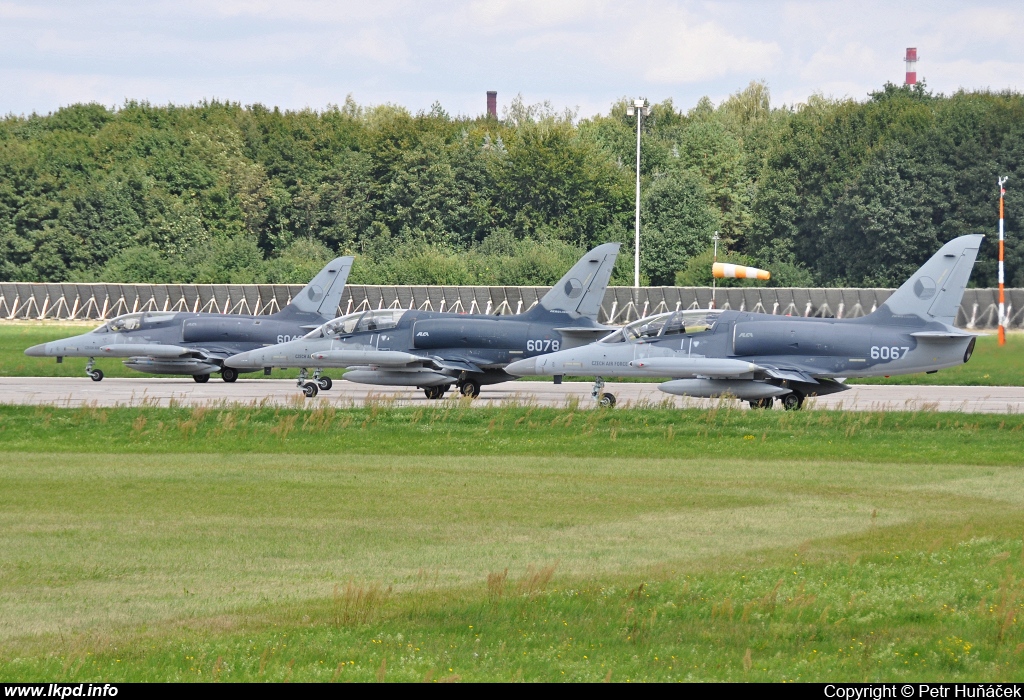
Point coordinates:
[[310, 388], [603, 400], [322, 383], [94, 374]]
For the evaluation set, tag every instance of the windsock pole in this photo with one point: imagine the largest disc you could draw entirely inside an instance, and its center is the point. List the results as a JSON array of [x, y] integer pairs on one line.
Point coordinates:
[[1002, 294]]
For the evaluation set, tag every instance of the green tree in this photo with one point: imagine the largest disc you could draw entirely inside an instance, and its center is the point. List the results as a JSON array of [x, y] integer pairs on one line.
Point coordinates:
[[676, 224]]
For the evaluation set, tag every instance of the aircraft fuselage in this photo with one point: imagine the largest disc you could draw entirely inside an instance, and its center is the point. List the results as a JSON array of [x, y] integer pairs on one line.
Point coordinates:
[[137, 337]]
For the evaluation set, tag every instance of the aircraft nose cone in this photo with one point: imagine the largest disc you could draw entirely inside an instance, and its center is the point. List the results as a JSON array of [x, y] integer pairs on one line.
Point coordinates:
[[522, 368], [37, 350]]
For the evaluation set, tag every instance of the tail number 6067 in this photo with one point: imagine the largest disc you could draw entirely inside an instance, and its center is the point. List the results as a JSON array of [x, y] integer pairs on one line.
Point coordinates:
[[541, 345], [888, 353]]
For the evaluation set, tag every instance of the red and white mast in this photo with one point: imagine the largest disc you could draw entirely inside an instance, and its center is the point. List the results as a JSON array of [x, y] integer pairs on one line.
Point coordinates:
[[911, 60]]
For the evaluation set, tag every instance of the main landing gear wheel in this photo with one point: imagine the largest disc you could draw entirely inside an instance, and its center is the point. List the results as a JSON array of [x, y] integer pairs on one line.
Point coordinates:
[[469, 389], [607, 401], [763, 403], [434, 392], [793, 402], [229, 374], [310, 389], [324, 383], [200, 378]]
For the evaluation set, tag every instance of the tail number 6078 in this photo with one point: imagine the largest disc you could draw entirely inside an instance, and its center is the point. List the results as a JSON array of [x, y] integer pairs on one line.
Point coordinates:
[[541, 345]]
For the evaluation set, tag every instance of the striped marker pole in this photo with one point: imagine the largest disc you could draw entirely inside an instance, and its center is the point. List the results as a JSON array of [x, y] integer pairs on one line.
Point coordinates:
[[1002, 297]]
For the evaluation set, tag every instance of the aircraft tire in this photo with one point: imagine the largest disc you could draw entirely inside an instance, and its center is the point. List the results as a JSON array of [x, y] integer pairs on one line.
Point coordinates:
[[470, 389], [433, 392], [200, 378], [762, 403], [793, 401], [229, 374], [324, 383], [96, 375], [607, 401], [310, 389]]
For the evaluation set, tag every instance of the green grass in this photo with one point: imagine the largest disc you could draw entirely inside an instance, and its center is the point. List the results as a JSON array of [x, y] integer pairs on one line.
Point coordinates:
[[505, 543], [990, 365]]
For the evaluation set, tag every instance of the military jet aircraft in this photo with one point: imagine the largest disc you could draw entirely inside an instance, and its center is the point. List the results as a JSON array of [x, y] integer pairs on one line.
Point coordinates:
[[757, 357], [434, 351], [161, 342]]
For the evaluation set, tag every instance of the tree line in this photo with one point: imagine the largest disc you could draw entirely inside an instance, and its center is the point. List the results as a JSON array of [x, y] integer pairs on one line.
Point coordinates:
[[827, 193]]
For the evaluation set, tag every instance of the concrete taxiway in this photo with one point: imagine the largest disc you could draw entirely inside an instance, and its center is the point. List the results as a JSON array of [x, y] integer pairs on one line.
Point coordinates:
[[75, 392]]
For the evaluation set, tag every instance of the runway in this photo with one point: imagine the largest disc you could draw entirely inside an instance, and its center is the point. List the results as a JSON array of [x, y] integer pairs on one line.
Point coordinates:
[[75, 392]]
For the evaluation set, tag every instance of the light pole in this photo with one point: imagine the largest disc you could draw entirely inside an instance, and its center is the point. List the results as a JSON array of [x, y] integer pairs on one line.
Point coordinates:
[[640, 109]]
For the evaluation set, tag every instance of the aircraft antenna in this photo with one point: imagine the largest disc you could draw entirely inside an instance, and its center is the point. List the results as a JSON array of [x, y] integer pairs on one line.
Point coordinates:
[[1002, 296]]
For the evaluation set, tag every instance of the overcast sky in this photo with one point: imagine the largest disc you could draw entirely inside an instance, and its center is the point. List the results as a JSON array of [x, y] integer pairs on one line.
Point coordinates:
[[576, 53]]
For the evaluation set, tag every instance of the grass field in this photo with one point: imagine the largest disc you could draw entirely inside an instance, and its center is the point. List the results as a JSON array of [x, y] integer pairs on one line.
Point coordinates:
[[509, 543], [990, 365]]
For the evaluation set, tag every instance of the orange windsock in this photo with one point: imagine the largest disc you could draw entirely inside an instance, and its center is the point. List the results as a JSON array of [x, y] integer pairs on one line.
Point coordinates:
[[741, 272]]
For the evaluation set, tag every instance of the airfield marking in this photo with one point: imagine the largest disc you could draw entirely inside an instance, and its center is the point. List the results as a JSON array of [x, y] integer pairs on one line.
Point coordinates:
[[74, 392]]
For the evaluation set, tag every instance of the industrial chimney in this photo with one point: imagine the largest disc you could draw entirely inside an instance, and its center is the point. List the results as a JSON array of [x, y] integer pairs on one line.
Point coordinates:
[[492, 104], [911, 66]]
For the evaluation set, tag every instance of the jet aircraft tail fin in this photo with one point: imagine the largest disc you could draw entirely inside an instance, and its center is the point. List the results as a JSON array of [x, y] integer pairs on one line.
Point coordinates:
[[935, 291], [580, 292], [323, 294]]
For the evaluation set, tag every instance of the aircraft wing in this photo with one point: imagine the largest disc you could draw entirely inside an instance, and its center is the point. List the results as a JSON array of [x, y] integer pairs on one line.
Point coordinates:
[[942, 335], [459, 365], [588, 332], [789, 374], [575, 337]]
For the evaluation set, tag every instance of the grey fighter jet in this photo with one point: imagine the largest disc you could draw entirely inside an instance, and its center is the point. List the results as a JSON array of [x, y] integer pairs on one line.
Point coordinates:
[[434, 351], [197, 344], [758, 358]]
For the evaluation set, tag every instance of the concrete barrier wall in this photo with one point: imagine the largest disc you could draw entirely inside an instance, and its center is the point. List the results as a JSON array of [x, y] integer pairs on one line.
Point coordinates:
[[621, 304]]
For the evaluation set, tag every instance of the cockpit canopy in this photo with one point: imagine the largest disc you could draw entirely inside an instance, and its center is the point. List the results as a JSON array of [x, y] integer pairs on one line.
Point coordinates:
[[359, 322], [133, 321], [660, 325]]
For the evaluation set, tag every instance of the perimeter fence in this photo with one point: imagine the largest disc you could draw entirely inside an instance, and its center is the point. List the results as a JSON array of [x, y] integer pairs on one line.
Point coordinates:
[[66, 302]]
